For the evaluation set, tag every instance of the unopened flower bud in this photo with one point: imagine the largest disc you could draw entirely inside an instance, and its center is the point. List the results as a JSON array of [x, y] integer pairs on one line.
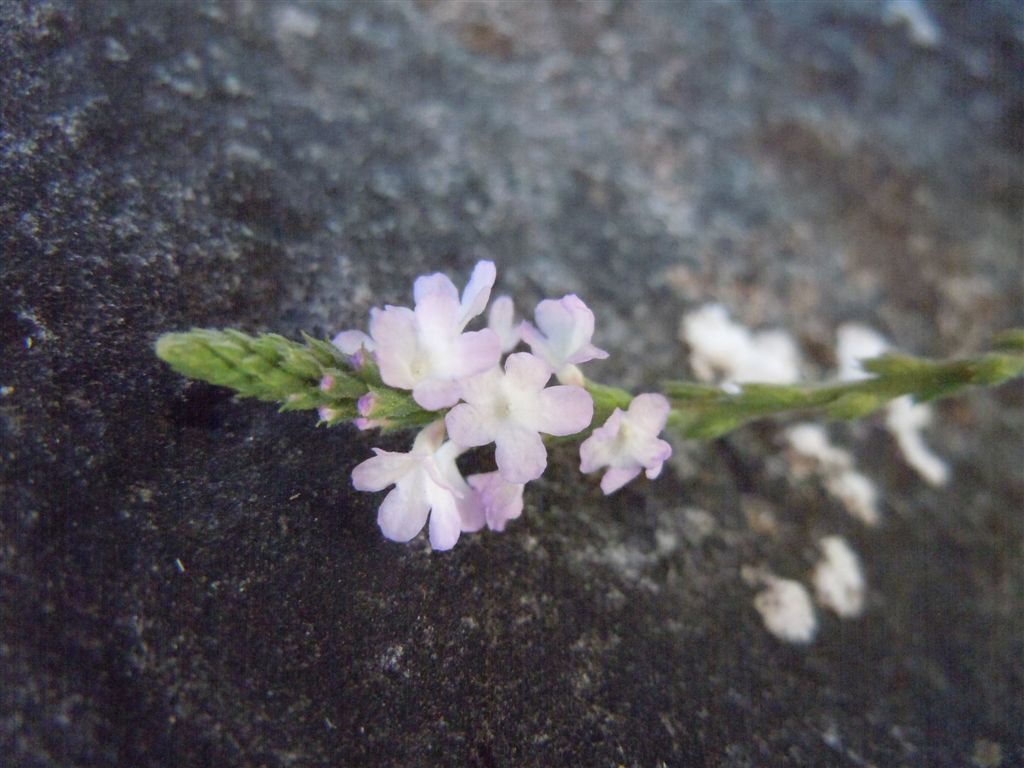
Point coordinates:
[[367, 404]]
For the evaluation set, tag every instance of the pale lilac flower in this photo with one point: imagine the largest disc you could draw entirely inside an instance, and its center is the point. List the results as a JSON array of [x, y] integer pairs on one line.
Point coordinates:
[[502, 501], [427, 482], [500, 320], [628, 442], [425, 349], [562, 336], [511, 408]]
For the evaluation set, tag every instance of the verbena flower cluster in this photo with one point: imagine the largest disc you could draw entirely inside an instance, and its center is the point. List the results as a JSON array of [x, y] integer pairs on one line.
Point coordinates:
[[481, 399]]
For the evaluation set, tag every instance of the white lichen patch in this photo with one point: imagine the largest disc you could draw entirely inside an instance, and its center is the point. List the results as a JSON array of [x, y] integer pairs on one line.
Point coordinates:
[[786, 610], [854, 343], [904, 418], [294, 21], [852, 489], [725, 351], [812, 441], [857, 494], [838, 579]]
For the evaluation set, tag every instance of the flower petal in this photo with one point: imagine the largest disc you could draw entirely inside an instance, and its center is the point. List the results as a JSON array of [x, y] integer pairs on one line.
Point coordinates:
[[437, 318], [649, 412], [616, 478], [586, 353], [520, 454], [445, 521], [654, 471], [471, 511], [500, 320], [403, 513], [429, 439], [474, 352], [351, 342], [567, 322], [434, 394], [394, 332], [533, 337], [436, 284], [501, 501], [563, 410], [651, 452], [382, 470], [477, 292], [467, 427], [526, 373], [481, 389], [467, 500], [598, 450]]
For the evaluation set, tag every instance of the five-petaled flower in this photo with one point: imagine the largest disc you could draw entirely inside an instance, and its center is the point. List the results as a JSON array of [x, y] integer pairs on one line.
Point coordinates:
[[426, 349], [628, 443], [512, 408], [562, 336], [427, 482]]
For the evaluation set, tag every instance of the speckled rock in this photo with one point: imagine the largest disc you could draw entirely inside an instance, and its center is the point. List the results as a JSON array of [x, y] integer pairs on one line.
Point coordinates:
[[190, 580]]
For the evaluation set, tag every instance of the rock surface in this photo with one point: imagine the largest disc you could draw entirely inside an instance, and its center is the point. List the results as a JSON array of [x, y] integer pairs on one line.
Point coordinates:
[[190, 580]]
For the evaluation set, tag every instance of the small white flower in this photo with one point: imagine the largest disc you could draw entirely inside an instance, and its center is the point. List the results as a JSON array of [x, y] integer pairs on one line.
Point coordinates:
[[838, 578], [628, 443], [562, 336], [511, 408], [427, 482], [786, 609]]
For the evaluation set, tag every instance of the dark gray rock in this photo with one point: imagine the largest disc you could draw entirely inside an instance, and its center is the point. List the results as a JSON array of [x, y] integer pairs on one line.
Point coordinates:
[[190, 580]]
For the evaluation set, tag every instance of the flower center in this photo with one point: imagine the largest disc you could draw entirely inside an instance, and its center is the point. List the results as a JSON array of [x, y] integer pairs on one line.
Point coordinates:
[[501, 408]]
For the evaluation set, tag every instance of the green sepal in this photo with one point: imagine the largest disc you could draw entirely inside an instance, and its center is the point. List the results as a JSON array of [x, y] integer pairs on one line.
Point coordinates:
[[344, 386], [328, 355], [341, 413], [394, 405], [306, 401]]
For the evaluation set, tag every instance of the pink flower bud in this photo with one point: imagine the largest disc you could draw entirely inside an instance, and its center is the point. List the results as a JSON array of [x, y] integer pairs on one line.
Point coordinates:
[[367, 404]]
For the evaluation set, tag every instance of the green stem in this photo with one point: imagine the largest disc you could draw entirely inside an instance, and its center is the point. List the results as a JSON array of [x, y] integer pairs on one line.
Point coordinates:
[[704, 411], [315, 374]]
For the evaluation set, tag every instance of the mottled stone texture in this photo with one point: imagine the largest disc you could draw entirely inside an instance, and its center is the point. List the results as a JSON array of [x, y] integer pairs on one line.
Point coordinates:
[[190, 581]]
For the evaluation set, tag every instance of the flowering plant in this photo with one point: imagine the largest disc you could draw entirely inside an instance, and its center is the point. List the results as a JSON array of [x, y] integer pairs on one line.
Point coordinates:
[[421, 368]]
